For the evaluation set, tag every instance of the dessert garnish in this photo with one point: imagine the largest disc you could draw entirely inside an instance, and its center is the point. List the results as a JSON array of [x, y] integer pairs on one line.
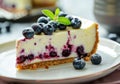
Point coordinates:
[[51, 22]]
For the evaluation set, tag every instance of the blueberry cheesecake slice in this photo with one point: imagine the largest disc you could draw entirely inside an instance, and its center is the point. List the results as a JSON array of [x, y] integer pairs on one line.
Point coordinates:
[[56, 39]]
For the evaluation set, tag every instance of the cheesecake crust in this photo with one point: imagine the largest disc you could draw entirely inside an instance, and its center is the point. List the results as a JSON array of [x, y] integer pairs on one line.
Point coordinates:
[[45, 64]]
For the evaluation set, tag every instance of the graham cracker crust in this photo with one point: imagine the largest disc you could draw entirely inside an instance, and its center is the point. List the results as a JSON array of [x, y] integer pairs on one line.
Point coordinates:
[[45, 64]]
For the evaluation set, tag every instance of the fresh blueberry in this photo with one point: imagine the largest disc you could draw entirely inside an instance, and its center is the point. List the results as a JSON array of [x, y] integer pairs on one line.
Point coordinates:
[[66, 52], [54, 24], [43, 19], [62, 27], [30, 56], [53, 54], [28, 33], [69, 17], [76, 23], [37, 28], [113, 36], [42, 24], [62, 14], [79, 63], [48, 29], [21, 59], [96, 59]]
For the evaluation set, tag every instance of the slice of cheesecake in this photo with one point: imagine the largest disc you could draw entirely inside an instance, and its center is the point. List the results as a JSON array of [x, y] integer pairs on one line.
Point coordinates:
[[61, 47]]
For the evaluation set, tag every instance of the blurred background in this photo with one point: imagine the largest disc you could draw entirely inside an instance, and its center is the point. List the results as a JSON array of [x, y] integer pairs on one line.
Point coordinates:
[[15, 15]]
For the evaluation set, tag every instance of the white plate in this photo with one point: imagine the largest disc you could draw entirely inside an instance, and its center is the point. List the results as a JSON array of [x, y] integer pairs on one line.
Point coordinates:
[[109, 50]]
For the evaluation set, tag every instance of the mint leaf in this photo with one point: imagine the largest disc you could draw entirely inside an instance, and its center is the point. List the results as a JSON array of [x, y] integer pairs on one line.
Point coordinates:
[[57, 11], [52, 16], [64, 20], [48, 13]]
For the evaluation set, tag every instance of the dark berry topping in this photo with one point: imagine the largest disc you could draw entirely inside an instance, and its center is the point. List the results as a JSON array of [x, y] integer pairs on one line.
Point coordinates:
[[37, 28], [69, 17], [113, 36], [79, 63], [53, 54], [40, 56], [22, 51], [66, 52], [42, 24], [46, 55], [21, 59], [76, 23], [96, 59], [43, 20], [30, 56], [54, 24], [28, 33], [80, 50], [62, 27], [48, 29], [35, 43], [49, 47], [62, 14]]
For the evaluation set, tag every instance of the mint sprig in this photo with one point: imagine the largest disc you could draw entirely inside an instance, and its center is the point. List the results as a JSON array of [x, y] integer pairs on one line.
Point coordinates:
[[48, 13], [55, 17], [64, 20], [57, 11]]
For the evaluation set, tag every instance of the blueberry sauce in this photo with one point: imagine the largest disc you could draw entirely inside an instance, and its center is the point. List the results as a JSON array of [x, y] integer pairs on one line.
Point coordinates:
[[21, 59], [80, 51], [49, 47], [23, 39], [50, 50], [35, 43], [40, 56], [68, 45], [69, 33], [53, 54], [74, 37], [46, 56], [67, 48], [30, 57], [66, 52], [22, 51]]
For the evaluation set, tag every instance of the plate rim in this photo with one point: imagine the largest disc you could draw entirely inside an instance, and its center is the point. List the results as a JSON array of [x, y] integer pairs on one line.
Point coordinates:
[[113, 67]]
